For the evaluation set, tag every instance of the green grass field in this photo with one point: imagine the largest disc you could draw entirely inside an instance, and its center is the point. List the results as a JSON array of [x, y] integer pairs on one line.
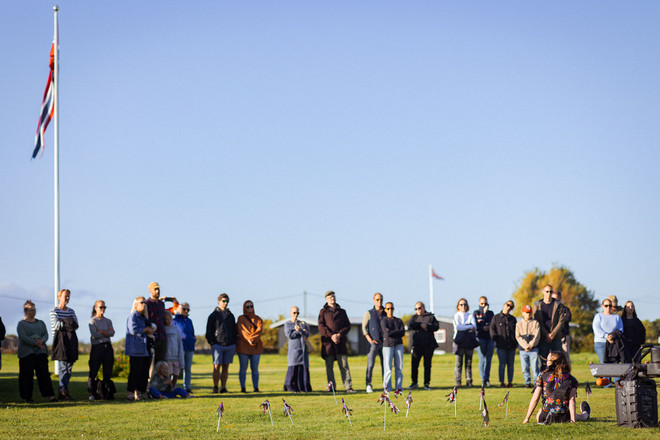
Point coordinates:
[[315, 414]]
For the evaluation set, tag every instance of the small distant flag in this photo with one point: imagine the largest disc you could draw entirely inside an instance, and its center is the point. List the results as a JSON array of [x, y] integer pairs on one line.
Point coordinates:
[[505, 401], [451, 397], [409, 401], [331, 386], [398, 393], [221, 412], [287, 410], [484, 415], [47, 106], [347, 411], [266, 407], [482, 396], [435, 275]]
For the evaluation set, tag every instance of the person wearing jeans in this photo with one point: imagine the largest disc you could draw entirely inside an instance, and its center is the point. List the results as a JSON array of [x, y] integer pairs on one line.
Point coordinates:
[[463, 321], [249, 346], [528, 335], [393, 331], [483, 317], [372, 333], [185, 324]]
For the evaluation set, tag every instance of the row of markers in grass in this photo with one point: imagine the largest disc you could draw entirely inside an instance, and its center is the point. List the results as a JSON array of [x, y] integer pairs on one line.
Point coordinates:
[[386, 402]]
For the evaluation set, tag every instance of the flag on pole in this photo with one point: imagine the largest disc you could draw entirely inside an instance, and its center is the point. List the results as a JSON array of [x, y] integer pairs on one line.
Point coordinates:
[[506, 401], [47, 106], [287, 410], [484, 415], [266, 407], [221, 412], [435, 275], [409, 401], [347, 411]]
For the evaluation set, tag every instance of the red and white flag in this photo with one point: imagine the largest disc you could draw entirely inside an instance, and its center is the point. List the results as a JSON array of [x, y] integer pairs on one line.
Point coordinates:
[[435, 275], [47, 106]]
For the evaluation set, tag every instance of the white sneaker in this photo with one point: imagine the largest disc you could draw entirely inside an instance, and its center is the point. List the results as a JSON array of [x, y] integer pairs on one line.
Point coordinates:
[[91, 398], [369, 389]]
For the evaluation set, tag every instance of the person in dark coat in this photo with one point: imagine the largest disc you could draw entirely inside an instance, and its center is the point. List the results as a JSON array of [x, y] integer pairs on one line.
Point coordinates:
[[634, 332], [221, 334], [422, 327], [333, 327], [503, 333], [483, 316], [297, 375]]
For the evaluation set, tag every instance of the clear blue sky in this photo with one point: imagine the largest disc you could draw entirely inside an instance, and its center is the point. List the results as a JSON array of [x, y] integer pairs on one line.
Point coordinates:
[[268, 148]]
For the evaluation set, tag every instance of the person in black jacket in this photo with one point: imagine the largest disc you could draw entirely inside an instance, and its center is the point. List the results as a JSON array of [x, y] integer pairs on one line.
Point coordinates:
[[422, 327], [221, 336], [483, 317], [634, 332], [393, 331], [2, 338], [334, 326], [503, 333]]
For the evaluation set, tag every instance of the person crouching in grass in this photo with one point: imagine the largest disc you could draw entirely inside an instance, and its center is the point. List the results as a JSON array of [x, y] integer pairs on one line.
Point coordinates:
[[161, 384]]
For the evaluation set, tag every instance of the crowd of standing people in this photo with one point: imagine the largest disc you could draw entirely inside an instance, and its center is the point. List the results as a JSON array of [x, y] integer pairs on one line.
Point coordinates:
[[160, 343]]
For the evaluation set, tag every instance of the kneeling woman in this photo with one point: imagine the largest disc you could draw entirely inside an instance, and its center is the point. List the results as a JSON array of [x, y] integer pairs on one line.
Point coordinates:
[[559, 390]]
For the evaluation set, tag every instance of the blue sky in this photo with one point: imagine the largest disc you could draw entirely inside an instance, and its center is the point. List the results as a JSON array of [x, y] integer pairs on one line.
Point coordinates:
[[264, 149]]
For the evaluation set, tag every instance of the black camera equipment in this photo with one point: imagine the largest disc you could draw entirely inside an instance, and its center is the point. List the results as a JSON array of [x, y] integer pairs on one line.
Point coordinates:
[[636, 394]]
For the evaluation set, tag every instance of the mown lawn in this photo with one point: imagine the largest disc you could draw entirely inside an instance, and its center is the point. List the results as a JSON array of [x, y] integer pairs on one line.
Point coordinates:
[[315, 414]]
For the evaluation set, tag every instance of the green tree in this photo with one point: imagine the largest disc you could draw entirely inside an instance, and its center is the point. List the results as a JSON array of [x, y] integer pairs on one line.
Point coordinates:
[[574, 295], [652, 332]]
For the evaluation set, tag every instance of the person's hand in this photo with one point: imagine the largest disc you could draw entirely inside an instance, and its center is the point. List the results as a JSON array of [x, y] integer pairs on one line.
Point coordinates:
[[486, 308], [610, 338], [424, 327], [335, 338], [373, 341], [297, 328], [526, 420]]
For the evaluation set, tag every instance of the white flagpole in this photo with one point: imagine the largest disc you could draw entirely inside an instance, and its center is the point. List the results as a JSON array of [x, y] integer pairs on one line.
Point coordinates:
[[56, 161], [431, 289], [56, 153]]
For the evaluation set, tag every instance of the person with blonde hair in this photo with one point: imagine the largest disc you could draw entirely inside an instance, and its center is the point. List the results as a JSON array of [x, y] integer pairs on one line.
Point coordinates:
[[64, 323], [466, 326], [137, 329]]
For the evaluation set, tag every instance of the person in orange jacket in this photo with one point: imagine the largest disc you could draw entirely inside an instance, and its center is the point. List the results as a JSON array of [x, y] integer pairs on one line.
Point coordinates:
[[249, 346]]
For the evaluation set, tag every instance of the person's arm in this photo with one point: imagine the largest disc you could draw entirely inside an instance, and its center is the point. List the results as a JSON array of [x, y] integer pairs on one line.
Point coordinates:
[[571, 407], [521, 341], [290, 330], [413, 323], [323, 329], [619, 323], [259, 330], [346, 324], [365, 327], [434, 326], [94, 332], [597, 328], [533, 403], [23, 336], [536, 328]]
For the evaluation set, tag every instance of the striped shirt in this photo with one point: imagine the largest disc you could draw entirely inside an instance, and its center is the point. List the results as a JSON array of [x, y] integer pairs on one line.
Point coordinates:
[[56, 316]]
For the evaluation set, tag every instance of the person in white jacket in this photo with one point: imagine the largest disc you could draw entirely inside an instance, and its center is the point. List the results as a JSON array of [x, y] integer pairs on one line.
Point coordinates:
[[174, 353], [463, 321]]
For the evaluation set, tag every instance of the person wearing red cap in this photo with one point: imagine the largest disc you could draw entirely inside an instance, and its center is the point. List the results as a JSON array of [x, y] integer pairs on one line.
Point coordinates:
[[528, 335]]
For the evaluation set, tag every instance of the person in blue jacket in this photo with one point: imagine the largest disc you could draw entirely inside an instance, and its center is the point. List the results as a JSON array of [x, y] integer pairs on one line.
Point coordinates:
[[185, 324], [137, 330]]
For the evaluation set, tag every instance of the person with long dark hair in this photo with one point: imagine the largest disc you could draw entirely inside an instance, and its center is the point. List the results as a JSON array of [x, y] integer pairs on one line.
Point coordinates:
[[559, 390], [634, 332], [101, 330]]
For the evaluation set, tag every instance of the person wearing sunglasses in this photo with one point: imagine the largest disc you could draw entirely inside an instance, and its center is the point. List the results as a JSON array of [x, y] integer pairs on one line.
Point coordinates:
[[184, 323], [297, 374], [393, 331], [464, 322], [605, 323], [64, 323], [372, 333], [423, 326], [249, 346], [552, 316], [503, 333], [101, 330], [221, 334]]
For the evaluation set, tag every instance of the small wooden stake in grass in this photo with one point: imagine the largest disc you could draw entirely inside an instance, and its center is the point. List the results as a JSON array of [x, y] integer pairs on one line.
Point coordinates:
[[506, 400], [451, 397]]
